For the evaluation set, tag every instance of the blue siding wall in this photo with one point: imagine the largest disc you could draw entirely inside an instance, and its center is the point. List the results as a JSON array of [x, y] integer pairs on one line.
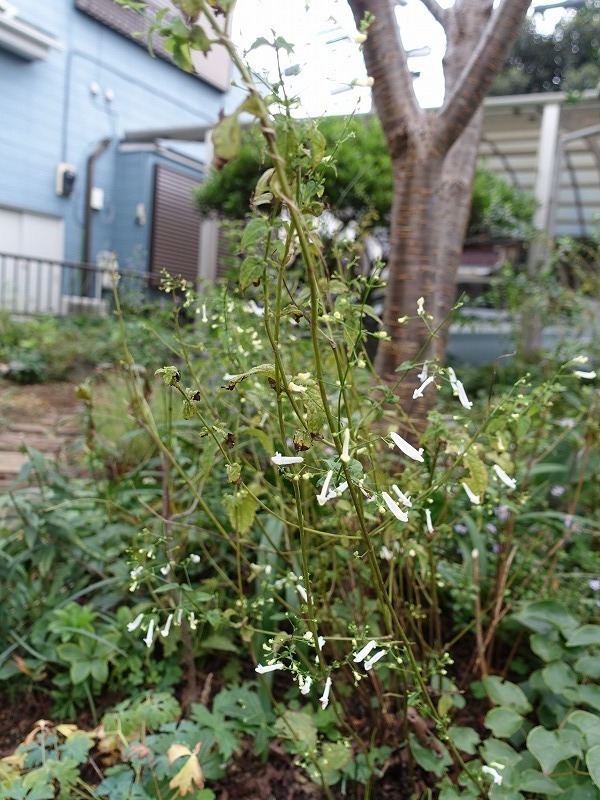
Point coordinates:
[[48, 115]]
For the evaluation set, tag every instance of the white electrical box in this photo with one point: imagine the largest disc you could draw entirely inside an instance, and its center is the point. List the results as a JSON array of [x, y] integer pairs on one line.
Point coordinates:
[[97, 198]]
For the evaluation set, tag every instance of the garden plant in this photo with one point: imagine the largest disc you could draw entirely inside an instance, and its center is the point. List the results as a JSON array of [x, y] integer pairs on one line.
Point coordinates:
[[296, 570]]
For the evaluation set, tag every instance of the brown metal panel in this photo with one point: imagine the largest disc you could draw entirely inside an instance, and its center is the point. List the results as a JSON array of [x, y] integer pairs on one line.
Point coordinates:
[[175, 243]]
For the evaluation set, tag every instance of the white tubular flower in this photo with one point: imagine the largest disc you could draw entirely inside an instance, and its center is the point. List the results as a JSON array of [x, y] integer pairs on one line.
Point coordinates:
[[474, 498], [253, 308], [178, 616], [580, 360], [165, 631], [323, 497], [453, 380], [420, 306], [295, 387], [362, 654], [419, 392], [401, 496], [462, 396], [193, 621], [493, 773], [284, 461], [204, 317], [136, 623], [345, 456], [340, 489], [305, 684], [386, 553], [506, 479], [586, 375], [302, 593], [321, 642], [324, 699], [406, 448], [374, 659], [263, 669], [149, 637], [428, 520], [422, 376], [394, 507]]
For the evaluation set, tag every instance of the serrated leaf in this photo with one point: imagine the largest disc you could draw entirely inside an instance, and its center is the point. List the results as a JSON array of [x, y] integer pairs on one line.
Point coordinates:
[[254, 231], [503, 722], [584, 636], [241, 509], [478, 479], [268, 370], [233, 472], [302, 440], [251, 271], [226, 139], [505, 693]]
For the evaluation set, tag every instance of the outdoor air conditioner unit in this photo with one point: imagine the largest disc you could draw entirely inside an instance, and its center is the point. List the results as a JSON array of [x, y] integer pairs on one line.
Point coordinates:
[[88, 306]]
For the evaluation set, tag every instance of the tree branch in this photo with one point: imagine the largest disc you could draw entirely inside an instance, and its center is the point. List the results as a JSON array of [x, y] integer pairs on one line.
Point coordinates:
[[386, 62], [436, 11], [486, 61]]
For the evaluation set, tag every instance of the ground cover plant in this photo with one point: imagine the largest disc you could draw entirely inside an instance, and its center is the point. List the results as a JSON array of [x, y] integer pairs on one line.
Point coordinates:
[[293, 568]]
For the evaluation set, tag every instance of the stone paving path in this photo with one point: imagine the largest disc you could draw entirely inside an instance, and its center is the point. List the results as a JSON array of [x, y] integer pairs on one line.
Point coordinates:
[[54, 434]]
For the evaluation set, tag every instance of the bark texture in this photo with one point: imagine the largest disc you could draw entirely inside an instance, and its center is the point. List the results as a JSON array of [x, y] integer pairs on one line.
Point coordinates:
[[434, 156]]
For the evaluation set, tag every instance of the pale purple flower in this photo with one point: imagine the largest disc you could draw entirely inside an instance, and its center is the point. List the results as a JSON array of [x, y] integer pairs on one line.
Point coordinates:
[[557, 491], [594, 584], [460, 528], [502, 512]]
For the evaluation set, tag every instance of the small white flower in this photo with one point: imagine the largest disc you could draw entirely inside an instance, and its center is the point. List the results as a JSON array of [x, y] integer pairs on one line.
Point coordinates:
[[304, 376], [506, 479], [165, 631], [374, 659], [462, 396], [406, 448], [453, 380], [204, 317], [474, 498], [302, 592], [324, 699], [135, 573], [401, 496], [193, 621], [494, 774], [587, 375], [305, 684], [340, 489], [165, 570], [386, 553], [394, 507], [345, 456], [284, 461], [295, 387], [362, 654], [580, 360], [323, 497], [420, 306], [363, 82], [178, 616], [422, 376], [321, 642], [263, 669], [428, 520], [419, 392], [136, 623], [252, 308], [149, 637], [194, 558]]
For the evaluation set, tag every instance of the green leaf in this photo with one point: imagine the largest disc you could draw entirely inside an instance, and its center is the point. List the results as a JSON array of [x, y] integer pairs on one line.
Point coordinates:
[[588, 666], [80, 670], [584, 636], [226, 139], [77, 746], [588, 724], [262, 369], [217, 642], [549, 748], [532, 781], [559, 677], [503, 722], [544, 647], [335, 755], [496, 750], [241, 509], [298, 726], [465, 739], [99, 670], [478, 479], [254, 231], [505, 693], [592, 760], [233, 472], [251, 271], [590, 695], [199, 40], [431, 760], [543, 616]]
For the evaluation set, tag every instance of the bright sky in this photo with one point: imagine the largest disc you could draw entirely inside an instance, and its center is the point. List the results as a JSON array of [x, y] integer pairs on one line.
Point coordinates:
[[329, 63]]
